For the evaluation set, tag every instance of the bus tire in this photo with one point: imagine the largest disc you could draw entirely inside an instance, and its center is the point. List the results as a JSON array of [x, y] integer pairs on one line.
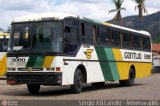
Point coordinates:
[[78, 81], [33, 88], [98, 84], [130, 80]]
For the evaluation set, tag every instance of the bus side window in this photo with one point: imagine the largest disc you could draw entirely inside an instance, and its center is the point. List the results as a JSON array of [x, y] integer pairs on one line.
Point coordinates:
[[132, 41], [88, 33], [137, 42], [146, 43], [126, 40], [121, 39], [71, 39], [109, 36], [103, 36], [83, 32], [115, 38], [141, 43], [94, 35]]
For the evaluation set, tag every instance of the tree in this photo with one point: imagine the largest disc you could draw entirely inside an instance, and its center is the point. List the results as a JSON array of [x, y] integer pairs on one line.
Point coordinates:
[[118, 4], [1, 29], [8, 29], [141, 8]]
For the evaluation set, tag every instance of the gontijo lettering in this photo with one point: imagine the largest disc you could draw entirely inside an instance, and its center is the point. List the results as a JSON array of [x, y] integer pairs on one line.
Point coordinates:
[[134, 55]]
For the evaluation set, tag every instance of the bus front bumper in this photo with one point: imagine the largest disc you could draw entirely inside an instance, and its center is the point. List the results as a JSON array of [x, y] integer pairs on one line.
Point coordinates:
[[42, 78]]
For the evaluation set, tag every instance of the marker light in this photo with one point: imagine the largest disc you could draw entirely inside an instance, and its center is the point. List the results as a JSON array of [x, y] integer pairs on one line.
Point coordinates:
[[58, 69]]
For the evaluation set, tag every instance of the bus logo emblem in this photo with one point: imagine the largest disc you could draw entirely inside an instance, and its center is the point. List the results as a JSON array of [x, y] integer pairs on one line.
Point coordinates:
[[88, 53], [30, 69]]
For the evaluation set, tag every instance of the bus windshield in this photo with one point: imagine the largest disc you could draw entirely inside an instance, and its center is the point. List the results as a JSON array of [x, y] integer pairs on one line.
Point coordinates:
[[38, 37]]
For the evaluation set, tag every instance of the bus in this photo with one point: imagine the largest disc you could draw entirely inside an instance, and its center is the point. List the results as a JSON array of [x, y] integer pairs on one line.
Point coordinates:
[[66, 49], [4, 37]]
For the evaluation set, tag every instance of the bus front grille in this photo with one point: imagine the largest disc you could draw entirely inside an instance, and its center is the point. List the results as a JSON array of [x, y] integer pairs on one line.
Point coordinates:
[[30, 69]]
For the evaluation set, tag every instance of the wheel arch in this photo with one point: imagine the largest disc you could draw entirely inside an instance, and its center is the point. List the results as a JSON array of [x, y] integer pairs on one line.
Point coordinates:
[[84, 72], [134, 70]]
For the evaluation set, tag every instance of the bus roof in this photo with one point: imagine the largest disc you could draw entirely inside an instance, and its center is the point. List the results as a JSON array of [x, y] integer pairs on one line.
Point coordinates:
[[127, 29], [45, 16]]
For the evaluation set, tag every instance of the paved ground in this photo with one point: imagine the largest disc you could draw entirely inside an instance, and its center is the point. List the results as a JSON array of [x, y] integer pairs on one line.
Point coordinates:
[[144, 89]]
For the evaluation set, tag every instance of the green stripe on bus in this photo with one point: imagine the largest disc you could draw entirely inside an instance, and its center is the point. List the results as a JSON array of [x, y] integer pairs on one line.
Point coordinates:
[[35, 61], [31, 61], [104, 65], [39, 62], [113, 65]]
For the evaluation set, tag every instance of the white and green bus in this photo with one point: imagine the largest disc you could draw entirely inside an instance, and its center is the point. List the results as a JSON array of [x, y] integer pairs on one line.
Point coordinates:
[[65, 49], [4, 38]]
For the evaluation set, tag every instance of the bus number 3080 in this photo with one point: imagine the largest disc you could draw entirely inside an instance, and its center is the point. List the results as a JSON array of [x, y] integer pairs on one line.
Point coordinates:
[[17, 59]]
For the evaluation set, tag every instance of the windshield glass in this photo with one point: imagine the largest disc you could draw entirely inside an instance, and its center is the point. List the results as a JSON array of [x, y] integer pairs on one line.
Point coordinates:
[[42, 37]]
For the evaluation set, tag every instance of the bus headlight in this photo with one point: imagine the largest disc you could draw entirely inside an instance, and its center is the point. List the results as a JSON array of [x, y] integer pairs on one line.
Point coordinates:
[[50, 69], [11, 69]]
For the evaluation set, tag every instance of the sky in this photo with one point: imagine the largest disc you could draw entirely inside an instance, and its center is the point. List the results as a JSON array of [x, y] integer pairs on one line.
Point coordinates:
[[95, 9]]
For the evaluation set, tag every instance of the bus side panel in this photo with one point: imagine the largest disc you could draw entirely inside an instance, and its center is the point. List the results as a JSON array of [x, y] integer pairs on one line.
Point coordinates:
[[94, 74], [104, 64], [142, 69], [86, 57], [107, 62], [68, 72], [3, 67], [93, 70], [123, 67]]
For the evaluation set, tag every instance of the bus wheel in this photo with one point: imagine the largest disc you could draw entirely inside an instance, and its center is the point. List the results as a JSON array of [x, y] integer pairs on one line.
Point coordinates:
[[98, 84], [130, 80], [77, 86], [33, 88]]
